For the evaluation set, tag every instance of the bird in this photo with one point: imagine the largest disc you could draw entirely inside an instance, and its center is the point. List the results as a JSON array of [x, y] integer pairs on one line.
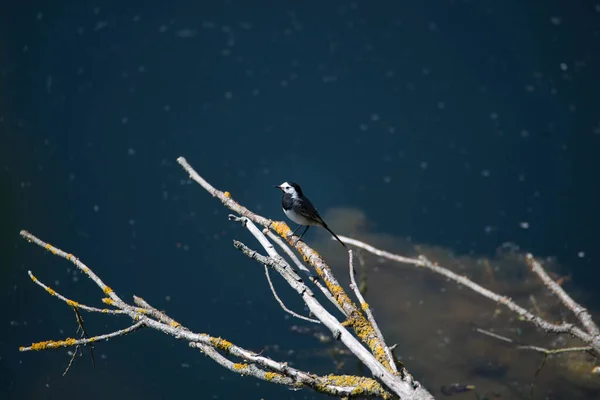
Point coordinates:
[[299, 209]]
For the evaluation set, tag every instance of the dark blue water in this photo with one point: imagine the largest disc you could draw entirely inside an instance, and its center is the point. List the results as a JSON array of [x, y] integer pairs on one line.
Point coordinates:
[[458, 124]]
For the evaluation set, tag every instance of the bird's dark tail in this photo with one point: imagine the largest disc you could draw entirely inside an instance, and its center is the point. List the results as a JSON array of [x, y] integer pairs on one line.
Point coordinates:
[[334, 235]]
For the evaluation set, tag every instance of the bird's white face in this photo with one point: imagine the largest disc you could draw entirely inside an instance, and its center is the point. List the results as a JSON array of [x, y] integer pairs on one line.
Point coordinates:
[[289, 189]]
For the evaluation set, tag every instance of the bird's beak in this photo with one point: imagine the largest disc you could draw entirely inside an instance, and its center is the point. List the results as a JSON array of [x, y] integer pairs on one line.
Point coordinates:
[[277, 187]]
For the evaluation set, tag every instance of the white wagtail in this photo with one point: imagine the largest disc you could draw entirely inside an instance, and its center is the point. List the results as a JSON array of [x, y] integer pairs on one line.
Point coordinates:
[[299, 209]]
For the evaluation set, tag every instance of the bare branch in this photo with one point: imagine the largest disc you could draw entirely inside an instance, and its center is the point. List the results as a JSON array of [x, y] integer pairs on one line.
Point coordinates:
[[80, 328], [580, 312], [70, 302], [521, 346], [70, 342], [81, 266], [287, 310], [593, 341]]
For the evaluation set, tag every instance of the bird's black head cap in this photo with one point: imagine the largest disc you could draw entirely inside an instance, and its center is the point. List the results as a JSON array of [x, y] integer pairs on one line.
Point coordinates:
[[296, 186]]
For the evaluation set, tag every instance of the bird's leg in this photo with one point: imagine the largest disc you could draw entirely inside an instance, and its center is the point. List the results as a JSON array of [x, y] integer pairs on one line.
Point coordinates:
[[296, 230], [307, 226]]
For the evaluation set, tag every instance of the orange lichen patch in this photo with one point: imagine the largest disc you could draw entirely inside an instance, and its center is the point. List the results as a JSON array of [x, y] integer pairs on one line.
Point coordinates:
[[239, 366], [52, 344], [364, 305], [108, 301], [364, 330], [105, 310], [361, 385], [85, 269], [337, 291], [33, 278], [221, 343], [281, 228], [52, 292], [50, 248], [72, 303], [343, 380], [69, 256], [269, 376], [107, 290], [175, 324], [227, 194], [367, 385]]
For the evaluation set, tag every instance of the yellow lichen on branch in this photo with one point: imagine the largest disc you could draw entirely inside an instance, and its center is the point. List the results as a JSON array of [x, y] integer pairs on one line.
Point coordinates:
[[269, 376], [51, 344], [281, 228], [50, 248], [239, 366], [221, 343], [361, 384]]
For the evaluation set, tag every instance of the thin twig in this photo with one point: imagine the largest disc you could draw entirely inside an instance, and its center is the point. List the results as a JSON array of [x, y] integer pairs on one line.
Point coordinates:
[[535, 375], [287, 310], [314, 279], [70, 342], [580, 312], [70, 302], [80, 328], [84, 334], [159, 315], [264, 241], [521, 346], [545, 353], [81, 266], [71, 361]]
